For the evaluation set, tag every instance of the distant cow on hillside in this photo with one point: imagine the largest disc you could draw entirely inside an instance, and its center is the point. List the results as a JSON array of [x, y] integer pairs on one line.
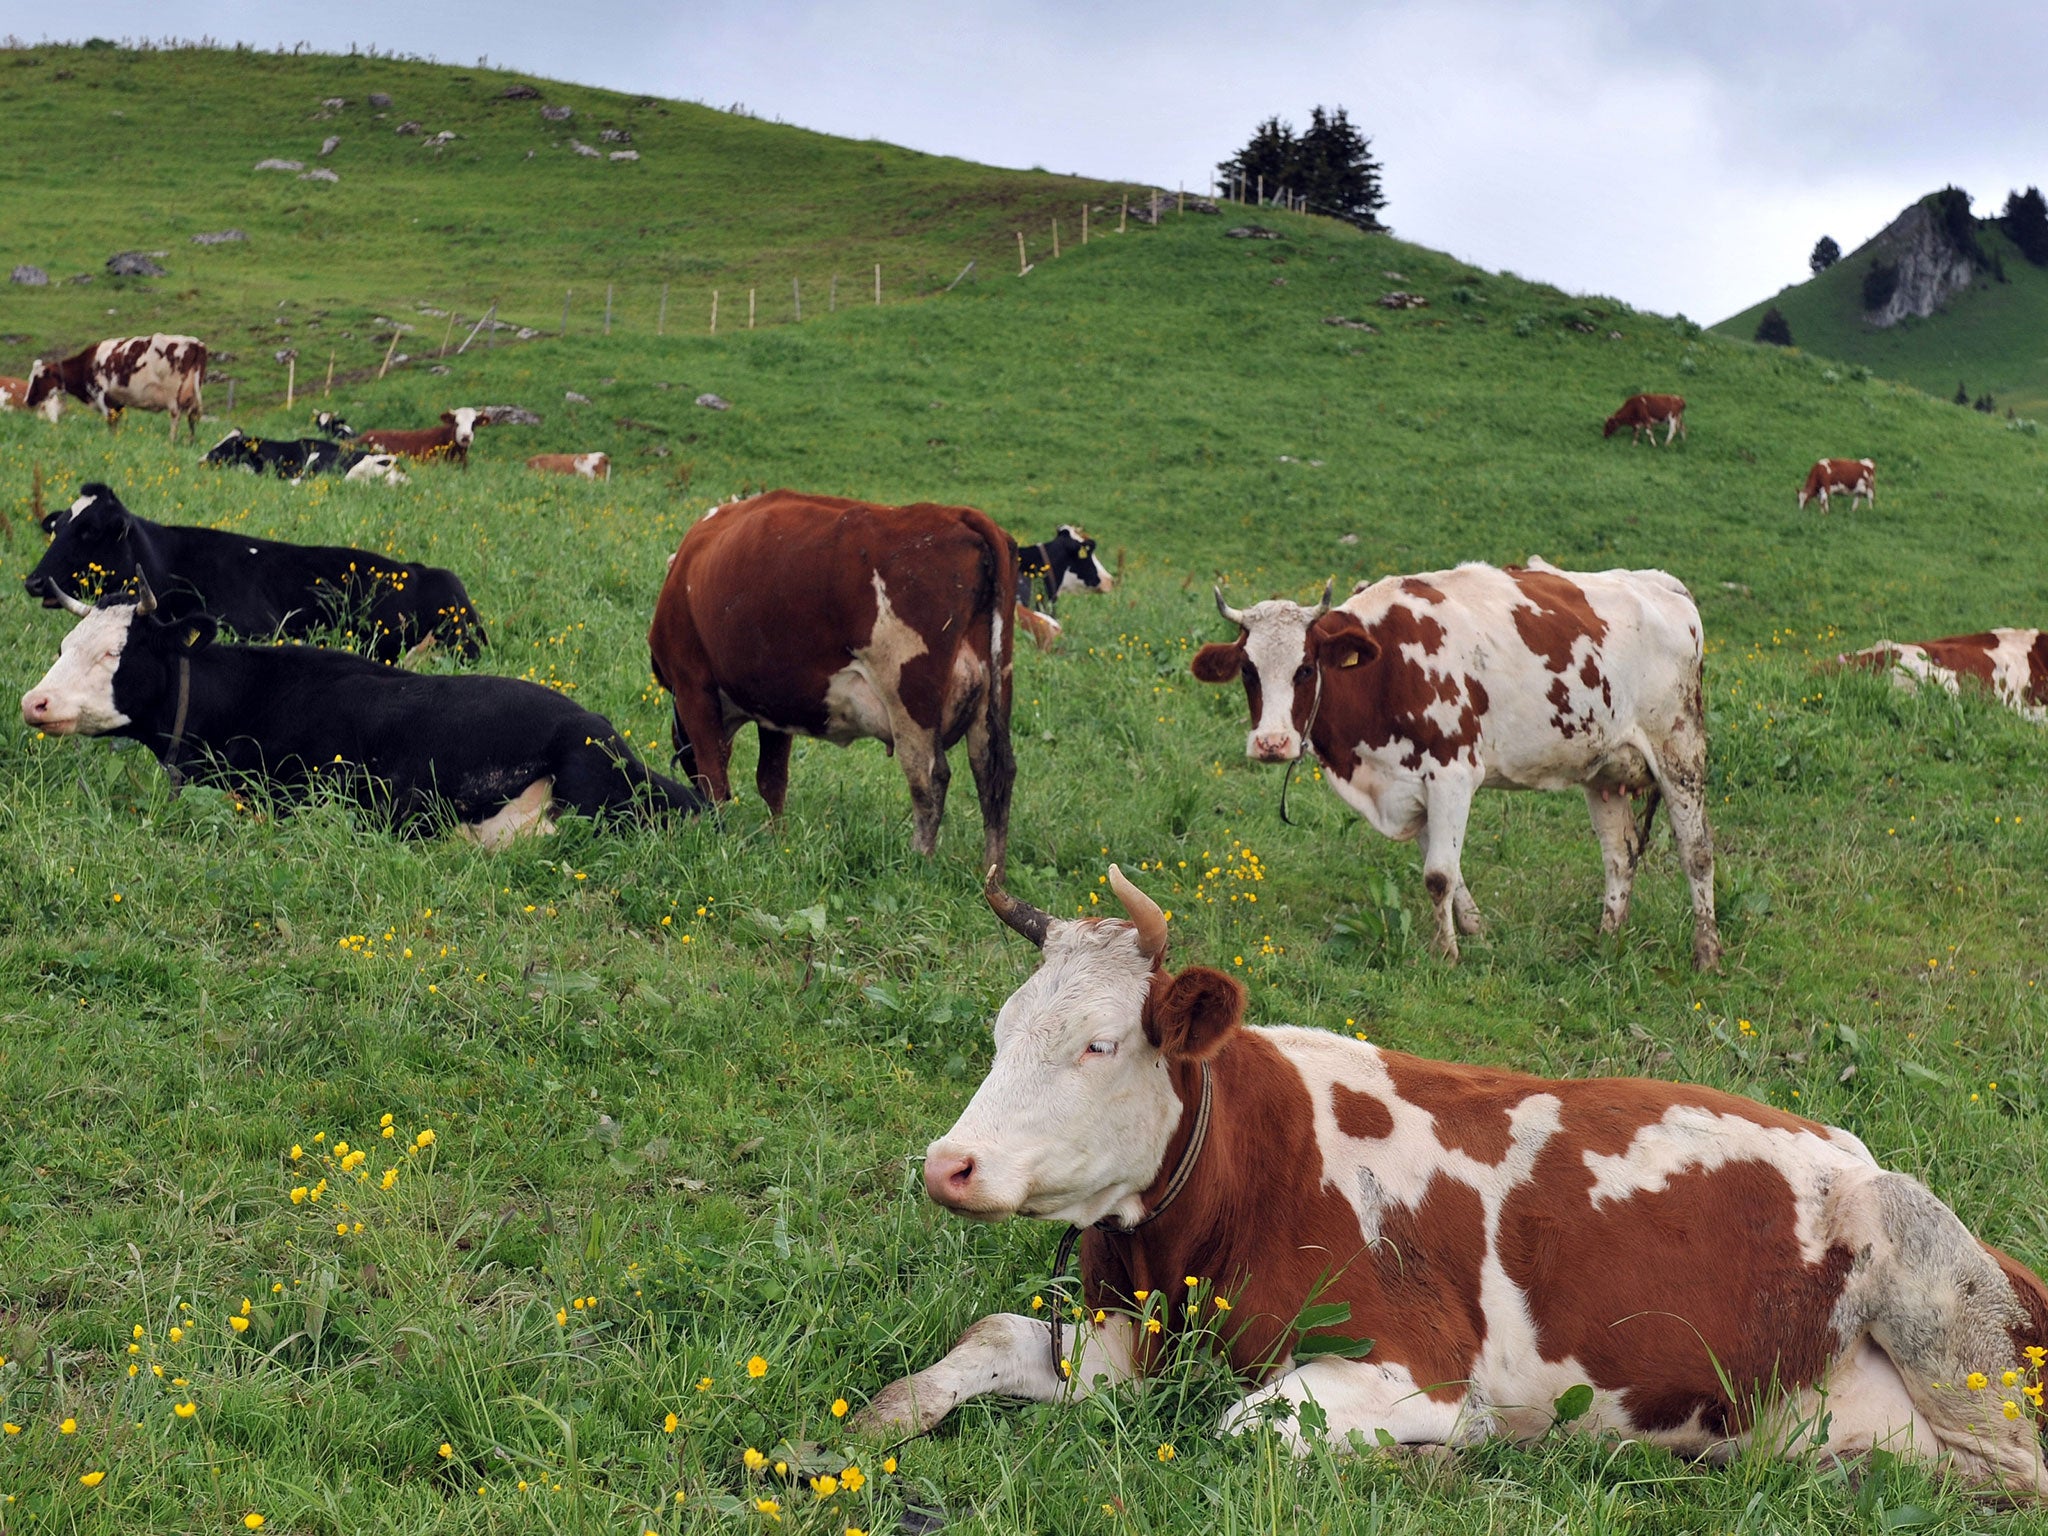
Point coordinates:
[[449, 441], [2012, 663], [1856, 476], [1651, 411], [585, 466], [151, 373], [14, 397]]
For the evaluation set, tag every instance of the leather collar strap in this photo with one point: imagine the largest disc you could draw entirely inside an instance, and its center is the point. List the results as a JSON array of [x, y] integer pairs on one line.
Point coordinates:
[[1185, 1171], [171, 769]]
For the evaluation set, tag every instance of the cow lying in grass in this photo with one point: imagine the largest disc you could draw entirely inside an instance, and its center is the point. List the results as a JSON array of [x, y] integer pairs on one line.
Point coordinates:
[[448, 441], [586, 466], [1475, 1243], [14, 397], [495, 756], [2012, 663], [296, 458], [257, 587]]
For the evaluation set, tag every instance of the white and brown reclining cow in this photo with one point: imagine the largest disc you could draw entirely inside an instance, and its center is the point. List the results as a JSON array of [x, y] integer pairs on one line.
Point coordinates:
[[2012, 663], [1419, 691], [1716, 1270]]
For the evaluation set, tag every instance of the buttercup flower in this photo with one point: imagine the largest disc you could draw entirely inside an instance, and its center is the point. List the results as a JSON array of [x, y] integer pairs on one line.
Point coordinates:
[[838, 1407], [92, 1479], [757, 1367]]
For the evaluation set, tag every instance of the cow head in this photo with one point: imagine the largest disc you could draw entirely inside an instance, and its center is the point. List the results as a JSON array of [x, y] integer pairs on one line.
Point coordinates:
[[114, 666], [1072, 555], [465, 419], [1282, 652], [331, 424], [44, 383], [1614, 425], [92, 548], [234, 449], [1075, 1115]]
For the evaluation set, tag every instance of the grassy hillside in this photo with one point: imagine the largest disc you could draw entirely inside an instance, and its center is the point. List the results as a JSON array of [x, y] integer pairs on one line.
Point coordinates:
[[1992, 337], [112, 150], [689, 1072]]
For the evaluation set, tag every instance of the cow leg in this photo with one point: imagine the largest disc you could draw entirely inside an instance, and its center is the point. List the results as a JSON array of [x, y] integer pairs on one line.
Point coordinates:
[[1004, 1354], [771, 773], [925, 766], [995, 772], [1614, 823], [702, 745], [1447, 806], [1358, 1397], [1682, 774]]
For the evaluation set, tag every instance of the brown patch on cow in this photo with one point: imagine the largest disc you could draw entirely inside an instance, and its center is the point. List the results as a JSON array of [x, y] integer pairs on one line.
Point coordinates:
[[1964, 655], [1470, 1105], [1388, 695], [1556, 617], [2037, 669], [2030, 1296], [1258, 1224], [1416, 587], [1652, 1295], [1361, 1116]]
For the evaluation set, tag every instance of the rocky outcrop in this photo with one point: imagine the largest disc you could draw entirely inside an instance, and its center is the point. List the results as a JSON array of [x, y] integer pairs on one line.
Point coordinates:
[[1931, 264]]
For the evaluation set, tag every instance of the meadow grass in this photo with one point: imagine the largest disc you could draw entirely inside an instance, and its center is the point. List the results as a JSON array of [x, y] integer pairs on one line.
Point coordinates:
[[685, 1075]]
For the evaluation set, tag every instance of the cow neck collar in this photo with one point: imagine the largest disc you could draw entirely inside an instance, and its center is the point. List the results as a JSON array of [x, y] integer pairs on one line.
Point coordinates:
[[171, 769], [1308, 745], [1183, 1174]]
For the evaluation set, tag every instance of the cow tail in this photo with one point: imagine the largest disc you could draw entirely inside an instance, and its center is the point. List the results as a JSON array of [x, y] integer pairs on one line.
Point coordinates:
[[995, 607], [1650, 804]]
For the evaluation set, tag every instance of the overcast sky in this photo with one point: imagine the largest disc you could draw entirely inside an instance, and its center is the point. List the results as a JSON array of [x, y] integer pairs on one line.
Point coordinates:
[[1680, 154]]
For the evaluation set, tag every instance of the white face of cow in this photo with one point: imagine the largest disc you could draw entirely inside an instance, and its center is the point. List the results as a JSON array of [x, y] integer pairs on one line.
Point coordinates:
[[1276, 656], [464, 419], [76, 696]]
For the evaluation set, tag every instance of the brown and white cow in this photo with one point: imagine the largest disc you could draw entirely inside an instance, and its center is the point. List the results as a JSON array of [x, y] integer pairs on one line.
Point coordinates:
[[14, 397], [820, 616], [450, 440], [1856, 476], [151, 373], [1420, 690], [586, 466], [1722, 1274], [2012, 663], [1649, 411]]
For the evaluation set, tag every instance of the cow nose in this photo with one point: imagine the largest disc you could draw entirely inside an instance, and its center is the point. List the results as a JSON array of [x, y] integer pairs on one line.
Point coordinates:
[[948, 1177], [35, 708], [1274, 747]]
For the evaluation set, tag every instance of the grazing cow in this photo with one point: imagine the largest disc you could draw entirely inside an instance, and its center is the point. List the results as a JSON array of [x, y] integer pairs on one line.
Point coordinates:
[[1419, 690], [818, 616], [257, 587], [1649, 411], [295, 458], [1063, 563], [151, 373], [450, 440], [14, 397], [1723, 1275], [330, 424], [590, 466], [2012, 663], [1856, 476], [496, 755]]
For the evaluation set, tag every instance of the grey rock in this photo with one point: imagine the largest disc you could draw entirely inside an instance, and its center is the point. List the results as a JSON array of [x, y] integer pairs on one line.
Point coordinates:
[[508, 416], [133, 264], [1350, 324], [443, 137], [285, 354], [330, 144], [616, 136], [557, 114], [1931, 269], [1251, 232], [321, 173], [585, 149], [219, 237], [30, 277], [335, 103], [408, 130], [575, 399], [520, 93], [440, 368], [1400, 300], [280, 165], [712, 402], [625, 154], [379, 100]]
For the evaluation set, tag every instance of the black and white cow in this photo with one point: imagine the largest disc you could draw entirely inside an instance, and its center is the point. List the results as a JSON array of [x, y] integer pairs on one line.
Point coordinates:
[[1063, 563], [256, 587], [295, 458], [331, 424], [495, 756]]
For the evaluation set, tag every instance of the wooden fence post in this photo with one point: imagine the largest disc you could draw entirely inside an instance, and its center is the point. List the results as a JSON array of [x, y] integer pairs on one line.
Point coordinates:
[[878, 282], [714, 311], [328, 388], [607, 309], [448, 334], [661, 315], [957, 281], [389, 350], [1023, 266], [1055, 239], [477, 327], [291, 378], [796, 290], [750, 309]]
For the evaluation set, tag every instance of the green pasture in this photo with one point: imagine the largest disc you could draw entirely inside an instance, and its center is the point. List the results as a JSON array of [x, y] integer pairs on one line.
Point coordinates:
[[684, 1076]]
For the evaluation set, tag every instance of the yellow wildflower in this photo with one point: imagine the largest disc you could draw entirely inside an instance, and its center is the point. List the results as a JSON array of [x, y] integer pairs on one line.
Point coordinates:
[[824, 1487], [889, 1465], [838, 1407], [2008, 1378], [1976, 1381], [2012, 1409], [2036, 1355], [92, 1479], [703, 1382], [177, 1334], [853, 1479], [669, 1424], [561, 1317], [768, 1507], [239, 1324], [757, 1367], [447, 1451], [252, 1521], [70, 1426], [1152, 1325], [1167, 1453], [754, 1459], [185, 1410]]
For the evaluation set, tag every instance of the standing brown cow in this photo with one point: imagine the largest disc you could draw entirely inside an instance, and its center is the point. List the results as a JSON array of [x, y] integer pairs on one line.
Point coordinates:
[[1651, 411], [1856, 476], [819, 616]]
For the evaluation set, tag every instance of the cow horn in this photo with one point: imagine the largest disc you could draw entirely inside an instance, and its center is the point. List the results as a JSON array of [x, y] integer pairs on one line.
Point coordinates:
[[1145, 915], [72, 605], [1324, 606], [1227, 611], [145, 600], [1020, 915]]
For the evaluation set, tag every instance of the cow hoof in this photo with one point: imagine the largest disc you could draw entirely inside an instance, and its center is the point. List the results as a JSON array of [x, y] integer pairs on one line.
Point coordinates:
[[892, 1415], [1445, 949], [1470, 923], [1706, 955]]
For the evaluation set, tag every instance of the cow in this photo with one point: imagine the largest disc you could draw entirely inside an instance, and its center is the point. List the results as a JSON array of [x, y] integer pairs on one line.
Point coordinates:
[[14, 397], [2012, 663], [589, 466], [1640, 412], [1856, 476], [820, 616], [1724, 1276], [1063, 563], [296, 458], [330, 424], [496, 756], [151, 373], [260, 588], [1419, 690], [450, 440]]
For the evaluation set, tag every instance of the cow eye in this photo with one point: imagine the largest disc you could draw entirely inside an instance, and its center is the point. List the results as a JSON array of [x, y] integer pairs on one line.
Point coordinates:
[[1304, 673], [1101, 1048]]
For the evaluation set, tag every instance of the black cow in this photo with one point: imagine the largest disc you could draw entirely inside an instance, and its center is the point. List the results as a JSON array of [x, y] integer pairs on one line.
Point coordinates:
[[256, 587], [494, 755], [330, 422], [294, 458], [1063, 563]]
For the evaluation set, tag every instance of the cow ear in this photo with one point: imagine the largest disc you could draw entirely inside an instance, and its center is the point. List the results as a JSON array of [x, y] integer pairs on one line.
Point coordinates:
[[1191, 1016], [1218, 663], [197, 632], [49, 524], [448, 418], [1341, 641]]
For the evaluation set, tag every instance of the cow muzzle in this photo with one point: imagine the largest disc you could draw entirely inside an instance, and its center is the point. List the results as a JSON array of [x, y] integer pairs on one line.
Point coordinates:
[[38, 708], [957, 1181], [1273, 746]]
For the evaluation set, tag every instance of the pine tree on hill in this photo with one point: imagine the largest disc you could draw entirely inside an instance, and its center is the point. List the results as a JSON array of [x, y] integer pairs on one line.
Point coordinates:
[[1331, 166], [2026, 224], [1825, 254], [1773, 328], [1962, 393]]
